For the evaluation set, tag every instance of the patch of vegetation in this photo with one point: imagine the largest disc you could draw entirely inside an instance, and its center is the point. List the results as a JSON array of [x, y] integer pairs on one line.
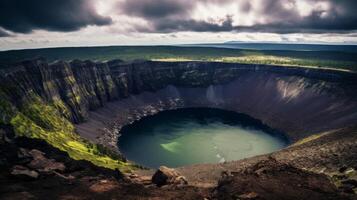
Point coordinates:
[[38, 120], [311, 138], [62, 108]]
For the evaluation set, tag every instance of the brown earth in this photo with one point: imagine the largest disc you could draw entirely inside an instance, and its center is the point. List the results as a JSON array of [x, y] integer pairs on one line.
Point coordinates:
[[262, 177]]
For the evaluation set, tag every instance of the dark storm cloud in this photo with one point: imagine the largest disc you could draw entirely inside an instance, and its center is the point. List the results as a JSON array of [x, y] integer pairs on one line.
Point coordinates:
[[340, 17], [162, 8], [156, 8], [173, 15], [3, 33], [23, 16], [174, 25]]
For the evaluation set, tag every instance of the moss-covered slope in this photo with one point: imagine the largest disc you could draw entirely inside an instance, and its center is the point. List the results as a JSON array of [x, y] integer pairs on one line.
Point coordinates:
[[42, 121], [43, 102]]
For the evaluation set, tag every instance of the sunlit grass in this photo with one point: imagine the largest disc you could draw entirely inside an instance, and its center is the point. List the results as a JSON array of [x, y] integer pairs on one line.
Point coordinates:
[[267, 60], [312, 138], [322, 59], [173, 59], [41, 121]]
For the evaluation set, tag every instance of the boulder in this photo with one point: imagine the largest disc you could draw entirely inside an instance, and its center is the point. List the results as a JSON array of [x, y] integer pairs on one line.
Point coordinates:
[[168, 176], [41, 163], [22, 171]]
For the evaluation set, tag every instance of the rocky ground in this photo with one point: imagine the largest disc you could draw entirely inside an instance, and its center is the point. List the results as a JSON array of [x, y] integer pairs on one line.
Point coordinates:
[[29, 173], [270, 179]]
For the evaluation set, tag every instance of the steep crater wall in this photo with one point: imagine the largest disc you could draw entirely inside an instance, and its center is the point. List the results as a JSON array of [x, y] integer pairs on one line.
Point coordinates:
[[297, 101], [100, 98]]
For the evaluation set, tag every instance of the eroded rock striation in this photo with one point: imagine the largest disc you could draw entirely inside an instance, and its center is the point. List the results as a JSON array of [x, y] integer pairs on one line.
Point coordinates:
[[297, 101], [103, 97], [79, 107]]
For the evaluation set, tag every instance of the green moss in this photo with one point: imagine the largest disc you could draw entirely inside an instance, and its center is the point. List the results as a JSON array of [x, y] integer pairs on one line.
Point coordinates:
[[46, 116], [62, 108], [70, 80], [311, 138], [41, 121], [110, 85]]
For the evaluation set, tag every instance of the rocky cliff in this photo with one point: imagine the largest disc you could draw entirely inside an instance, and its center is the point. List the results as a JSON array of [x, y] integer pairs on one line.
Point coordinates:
[[298, 101], [43, 100], [80, 107]]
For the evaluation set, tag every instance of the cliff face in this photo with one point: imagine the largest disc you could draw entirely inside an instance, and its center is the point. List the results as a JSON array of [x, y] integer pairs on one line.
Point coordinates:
[[102, 97], [298, 101], [40, 101], [62, 103], [74, 88], [81, 86]]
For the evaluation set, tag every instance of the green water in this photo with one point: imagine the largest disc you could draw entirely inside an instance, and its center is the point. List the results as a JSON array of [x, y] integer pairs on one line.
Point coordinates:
[[197, 135]]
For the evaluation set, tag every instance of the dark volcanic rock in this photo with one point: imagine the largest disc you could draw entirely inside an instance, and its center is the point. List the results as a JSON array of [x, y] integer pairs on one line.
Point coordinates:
[[167, 176], [22, 171], [270, 179], [41, 163], [95, 82]]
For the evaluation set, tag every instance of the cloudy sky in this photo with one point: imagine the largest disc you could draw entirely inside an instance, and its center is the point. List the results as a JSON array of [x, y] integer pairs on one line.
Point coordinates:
[[52, 23]]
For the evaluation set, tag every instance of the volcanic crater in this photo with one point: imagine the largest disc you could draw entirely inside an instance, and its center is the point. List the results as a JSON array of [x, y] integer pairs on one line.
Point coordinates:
[[304, 103], [316, 109]]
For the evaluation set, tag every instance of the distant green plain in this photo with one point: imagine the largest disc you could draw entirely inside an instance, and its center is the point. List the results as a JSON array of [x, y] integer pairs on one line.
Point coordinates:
[[326, 59]]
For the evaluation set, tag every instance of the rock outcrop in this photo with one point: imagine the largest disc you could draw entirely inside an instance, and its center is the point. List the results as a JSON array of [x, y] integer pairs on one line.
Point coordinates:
[[19, 170], [43, 164], [168, 176], [270, 179]]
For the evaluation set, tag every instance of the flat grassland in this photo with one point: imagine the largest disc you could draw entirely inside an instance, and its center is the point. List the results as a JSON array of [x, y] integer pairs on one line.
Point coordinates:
[[343, 60]]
